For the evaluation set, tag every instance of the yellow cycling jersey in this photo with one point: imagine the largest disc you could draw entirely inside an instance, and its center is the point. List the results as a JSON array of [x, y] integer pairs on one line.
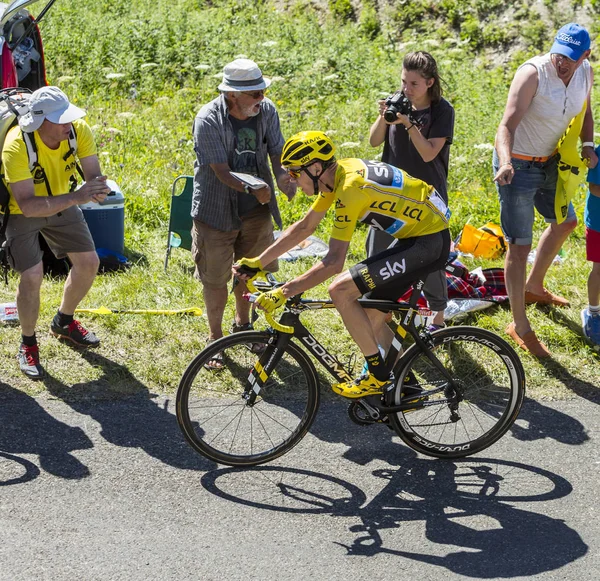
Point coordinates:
[[384, 197]]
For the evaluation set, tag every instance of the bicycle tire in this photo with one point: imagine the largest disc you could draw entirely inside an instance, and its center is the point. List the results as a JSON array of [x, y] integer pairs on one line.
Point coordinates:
[[218, 422], [490, 377]]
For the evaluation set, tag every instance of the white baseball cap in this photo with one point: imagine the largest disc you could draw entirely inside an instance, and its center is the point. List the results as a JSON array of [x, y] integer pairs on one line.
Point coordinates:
[[52, 104]]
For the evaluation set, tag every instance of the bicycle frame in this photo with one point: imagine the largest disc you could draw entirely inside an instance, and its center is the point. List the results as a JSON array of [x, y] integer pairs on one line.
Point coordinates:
[[295, 306]]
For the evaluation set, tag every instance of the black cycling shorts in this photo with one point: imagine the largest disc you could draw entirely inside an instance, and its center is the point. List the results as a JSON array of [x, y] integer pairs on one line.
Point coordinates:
[[389, 274]]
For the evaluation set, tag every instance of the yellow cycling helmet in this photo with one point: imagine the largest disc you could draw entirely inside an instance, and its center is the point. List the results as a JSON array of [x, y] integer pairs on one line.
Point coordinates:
[[305, 147]]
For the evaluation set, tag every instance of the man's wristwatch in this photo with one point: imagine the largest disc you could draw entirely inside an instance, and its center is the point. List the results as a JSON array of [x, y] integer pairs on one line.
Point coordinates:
[[247, 189]]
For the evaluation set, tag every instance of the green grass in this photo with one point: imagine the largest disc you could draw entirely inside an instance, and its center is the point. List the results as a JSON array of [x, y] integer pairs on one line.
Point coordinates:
[[142, 71]]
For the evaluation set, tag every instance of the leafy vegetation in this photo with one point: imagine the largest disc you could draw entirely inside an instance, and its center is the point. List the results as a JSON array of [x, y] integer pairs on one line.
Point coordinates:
[[143, 70]]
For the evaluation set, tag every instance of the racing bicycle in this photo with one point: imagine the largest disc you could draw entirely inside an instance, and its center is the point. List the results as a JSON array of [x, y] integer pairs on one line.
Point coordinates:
[[456, 391]]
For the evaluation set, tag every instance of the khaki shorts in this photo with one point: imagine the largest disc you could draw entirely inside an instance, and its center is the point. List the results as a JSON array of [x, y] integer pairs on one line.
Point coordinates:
[[65, 234], [215, 251]]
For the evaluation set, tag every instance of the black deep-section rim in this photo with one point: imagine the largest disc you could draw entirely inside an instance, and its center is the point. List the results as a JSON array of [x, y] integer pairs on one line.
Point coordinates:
[[241, 340], [402, 422]]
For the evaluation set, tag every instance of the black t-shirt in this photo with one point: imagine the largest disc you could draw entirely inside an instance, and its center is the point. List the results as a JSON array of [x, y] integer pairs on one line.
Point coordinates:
[[244, 158], [435, 121]]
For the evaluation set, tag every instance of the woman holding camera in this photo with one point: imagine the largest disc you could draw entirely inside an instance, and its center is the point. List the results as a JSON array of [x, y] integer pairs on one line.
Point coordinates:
[[419, 143]]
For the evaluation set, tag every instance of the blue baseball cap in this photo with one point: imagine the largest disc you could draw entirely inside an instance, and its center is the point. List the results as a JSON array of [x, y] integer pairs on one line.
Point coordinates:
[[572, 40]]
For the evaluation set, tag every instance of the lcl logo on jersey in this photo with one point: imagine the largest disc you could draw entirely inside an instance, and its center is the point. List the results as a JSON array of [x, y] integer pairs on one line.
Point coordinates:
[[342, 218], [390, 270], [413, 213], [386, 206]]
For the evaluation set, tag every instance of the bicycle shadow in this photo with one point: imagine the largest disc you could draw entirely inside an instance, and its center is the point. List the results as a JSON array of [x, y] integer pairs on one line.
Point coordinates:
[[27, 428], [508, 542], [451, 499], [128, 414]]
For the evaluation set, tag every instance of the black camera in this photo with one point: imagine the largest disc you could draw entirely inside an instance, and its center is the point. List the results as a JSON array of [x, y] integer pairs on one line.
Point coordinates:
[[397, 103]]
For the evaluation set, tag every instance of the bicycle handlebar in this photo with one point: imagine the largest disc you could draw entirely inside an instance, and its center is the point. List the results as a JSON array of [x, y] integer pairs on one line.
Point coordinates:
[[268, 316]]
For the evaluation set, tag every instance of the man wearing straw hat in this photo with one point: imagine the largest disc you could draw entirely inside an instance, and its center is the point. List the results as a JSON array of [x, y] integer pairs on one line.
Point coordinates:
[[238, 131]]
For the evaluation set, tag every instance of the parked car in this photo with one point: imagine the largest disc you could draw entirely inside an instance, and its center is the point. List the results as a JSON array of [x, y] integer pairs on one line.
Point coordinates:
[[21, 51]]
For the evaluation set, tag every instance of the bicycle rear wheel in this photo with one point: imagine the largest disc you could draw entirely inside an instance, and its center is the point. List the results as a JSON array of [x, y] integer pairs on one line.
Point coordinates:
[[218, 419], [490, 381]]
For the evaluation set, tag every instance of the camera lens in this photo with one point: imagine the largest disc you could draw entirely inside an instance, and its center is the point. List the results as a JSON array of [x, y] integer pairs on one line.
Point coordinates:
[[390, 114]]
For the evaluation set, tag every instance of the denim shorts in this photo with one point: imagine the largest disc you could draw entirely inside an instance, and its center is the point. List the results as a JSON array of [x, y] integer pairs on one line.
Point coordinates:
[[533, 186]]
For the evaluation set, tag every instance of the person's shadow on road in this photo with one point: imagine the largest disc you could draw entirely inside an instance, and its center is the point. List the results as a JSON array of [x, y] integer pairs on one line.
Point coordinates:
[[130, 416], [27, 428]]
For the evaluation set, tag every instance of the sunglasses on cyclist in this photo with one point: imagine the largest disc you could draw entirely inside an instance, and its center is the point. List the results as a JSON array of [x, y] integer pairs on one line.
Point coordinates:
[[255, 94], [294, 172]]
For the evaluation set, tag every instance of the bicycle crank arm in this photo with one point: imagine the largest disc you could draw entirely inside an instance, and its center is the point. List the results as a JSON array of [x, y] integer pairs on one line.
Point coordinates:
[[413, 406]]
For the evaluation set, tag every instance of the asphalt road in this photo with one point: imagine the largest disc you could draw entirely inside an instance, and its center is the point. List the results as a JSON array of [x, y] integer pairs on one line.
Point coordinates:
[[110, 490]]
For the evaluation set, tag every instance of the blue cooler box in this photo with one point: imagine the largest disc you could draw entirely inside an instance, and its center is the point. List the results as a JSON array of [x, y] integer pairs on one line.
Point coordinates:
[[106, 220]]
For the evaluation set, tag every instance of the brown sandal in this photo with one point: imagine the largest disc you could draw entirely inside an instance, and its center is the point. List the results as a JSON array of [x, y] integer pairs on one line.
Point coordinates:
[[528, 342]]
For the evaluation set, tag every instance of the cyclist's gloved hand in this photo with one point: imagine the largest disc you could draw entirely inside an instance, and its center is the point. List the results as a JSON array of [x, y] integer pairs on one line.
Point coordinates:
[[248, 266], [271, 301]]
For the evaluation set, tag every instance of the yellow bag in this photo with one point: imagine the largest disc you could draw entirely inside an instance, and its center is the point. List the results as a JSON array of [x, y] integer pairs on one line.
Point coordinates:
[[485, 242], [571, 168]]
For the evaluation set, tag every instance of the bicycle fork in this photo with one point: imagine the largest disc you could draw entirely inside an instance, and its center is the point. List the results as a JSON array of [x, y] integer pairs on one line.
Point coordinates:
[[259, 374]]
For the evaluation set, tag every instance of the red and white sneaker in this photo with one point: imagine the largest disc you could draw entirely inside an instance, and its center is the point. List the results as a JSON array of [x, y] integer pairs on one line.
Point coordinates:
[[29, 362], [76, 333]]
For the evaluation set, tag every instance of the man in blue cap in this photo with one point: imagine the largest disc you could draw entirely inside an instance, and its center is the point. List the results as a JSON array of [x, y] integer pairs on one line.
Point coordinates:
[[547, 92]]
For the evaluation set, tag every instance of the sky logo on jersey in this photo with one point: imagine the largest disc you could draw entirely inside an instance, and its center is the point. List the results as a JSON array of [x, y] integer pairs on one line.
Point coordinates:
[[398, 179], [390, 270], [395, 227]]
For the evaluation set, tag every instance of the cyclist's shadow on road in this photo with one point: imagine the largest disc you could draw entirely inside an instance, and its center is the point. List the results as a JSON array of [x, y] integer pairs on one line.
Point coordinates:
[[469, 504], [27, 428], [130, 416], [464, 504]]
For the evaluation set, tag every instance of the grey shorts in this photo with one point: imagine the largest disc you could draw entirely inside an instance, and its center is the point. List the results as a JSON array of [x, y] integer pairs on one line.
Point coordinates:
[[65, 234], [533, 187]]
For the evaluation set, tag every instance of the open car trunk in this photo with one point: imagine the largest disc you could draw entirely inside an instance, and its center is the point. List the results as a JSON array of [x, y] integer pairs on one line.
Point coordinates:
[[21, 51]]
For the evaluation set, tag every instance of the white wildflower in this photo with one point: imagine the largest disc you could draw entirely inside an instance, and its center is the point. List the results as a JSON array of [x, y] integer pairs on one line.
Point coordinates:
[[112, 76]]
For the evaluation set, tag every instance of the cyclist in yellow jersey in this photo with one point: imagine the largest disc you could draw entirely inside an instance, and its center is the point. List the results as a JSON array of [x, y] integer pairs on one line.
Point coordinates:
[[376, 194]]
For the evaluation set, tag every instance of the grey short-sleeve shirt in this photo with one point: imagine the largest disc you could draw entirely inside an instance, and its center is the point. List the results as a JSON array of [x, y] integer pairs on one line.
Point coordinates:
[[214, 203]]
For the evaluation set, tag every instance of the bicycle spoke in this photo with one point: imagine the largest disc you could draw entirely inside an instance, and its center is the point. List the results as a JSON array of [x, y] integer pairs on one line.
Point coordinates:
[[485, 384]]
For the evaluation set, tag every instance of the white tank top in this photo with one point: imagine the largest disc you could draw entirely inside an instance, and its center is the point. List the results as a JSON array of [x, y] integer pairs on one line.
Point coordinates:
[[552, 108]]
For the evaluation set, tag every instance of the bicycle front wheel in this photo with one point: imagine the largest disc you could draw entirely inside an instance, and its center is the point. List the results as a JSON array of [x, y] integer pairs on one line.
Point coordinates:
[[475, 410], [222, 417]]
